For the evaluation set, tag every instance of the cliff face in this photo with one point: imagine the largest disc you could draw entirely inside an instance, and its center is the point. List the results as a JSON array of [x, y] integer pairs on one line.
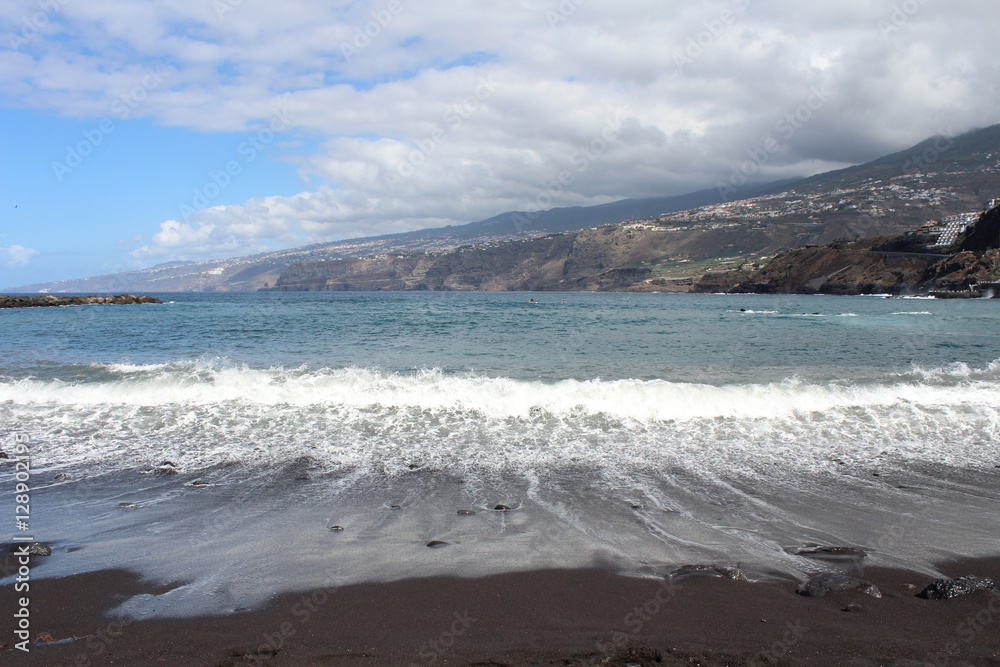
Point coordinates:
[[883, 265], [595, 259], [614, 257]]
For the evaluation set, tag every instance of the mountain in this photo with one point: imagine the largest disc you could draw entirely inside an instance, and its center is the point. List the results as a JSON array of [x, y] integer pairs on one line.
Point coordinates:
[[262, 270], [939, 177]]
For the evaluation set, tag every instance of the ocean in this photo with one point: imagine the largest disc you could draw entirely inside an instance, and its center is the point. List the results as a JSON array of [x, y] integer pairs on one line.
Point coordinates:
[[634, 431]]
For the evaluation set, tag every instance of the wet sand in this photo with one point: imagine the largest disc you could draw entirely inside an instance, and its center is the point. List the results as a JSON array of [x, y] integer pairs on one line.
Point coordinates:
[[552, 617], [154, 569]]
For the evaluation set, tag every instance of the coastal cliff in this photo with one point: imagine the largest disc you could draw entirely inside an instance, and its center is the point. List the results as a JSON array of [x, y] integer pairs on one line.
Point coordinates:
[[606, 258], [881, 265]]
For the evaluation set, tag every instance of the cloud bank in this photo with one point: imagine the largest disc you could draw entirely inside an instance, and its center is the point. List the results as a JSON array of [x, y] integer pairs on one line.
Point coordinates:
[[433, 113]]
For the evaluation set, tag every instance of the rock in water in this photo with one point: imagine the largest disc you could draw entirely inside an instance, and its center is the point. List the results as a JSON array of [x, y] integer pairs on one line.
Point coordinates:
[[821, 584], [684, 571], [832, 553], [437, 544], [50, 300], [32, 549], [945, 589]]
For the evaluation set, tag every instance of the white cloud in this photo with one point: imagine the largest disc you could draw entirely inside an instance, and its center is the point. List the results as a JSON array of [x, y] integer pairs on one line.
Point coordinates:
[[14, 256], [448, 112]]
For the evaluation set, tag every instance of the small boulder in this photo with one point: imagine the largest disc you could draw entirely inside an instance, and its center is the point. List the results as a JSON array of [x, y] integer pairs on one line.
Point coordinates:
[[837, 554], [945, 589], [33, 549], [734, 573], [821, 584]]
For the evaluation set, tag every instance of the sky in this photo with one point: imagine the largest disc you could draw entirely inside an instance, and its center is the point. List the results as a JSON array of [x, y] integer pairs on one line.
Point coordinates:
[[137, 132]]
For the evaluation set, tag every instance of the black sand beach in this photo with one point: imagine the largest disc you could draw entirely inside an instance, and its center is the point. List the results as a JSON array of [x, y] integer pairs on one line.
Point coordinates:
[[234, 574], [555, 617]]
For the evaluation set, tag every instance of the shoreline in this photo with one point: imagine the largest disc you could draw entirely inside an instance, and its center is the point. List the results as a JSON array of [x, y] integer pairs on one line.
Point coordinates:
[[565, 617]]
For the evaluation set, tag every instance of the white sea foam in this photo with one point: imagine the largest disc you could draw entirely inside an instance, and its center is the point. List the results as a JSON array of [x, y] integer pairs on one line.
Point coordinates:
[[642, 400], [204, 414]]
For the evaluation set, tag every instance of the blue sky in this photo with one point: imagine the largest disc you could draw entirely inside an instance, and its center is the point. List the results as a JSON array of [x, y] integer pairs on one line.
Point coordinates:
[[218, 129], [85, 220]]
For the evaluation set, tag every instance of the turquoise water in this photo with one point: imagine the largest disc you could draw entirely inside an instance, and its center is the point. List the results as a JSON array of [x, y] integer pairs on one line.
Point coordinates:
[[608, 336], [496, 379]]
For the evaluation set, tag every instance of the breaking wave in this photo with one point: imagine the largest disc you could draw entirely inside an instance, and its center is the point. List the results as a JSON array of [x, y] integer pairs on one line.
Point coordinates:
[[208, 413]]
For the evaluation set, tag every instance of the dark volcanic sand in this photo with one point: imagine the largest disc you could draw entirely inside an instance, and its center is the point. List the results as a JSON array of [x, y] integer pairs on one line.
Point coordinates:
[[563, 617]]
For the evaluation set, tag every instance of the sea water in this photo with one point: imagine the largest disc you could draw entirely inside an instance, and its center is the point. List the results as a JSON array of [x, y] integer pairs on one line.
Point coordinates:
[[637, 431]]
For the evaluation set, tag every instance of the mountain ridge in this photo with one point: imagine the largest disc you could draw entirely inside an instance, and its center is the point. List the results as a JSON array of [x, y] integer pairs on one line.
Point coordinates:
[[251, 272]]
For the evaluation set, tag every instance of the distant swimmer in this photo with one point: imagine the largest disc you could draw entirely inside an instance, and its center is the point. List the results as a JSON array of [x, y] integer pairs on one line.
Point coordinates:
[[564, 300], [532, 300]]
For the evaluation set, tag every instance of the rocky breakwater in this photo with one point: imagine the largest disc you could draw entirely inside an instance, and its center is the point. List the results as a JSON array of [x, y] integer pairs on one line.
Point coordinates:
[[51, 300]]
